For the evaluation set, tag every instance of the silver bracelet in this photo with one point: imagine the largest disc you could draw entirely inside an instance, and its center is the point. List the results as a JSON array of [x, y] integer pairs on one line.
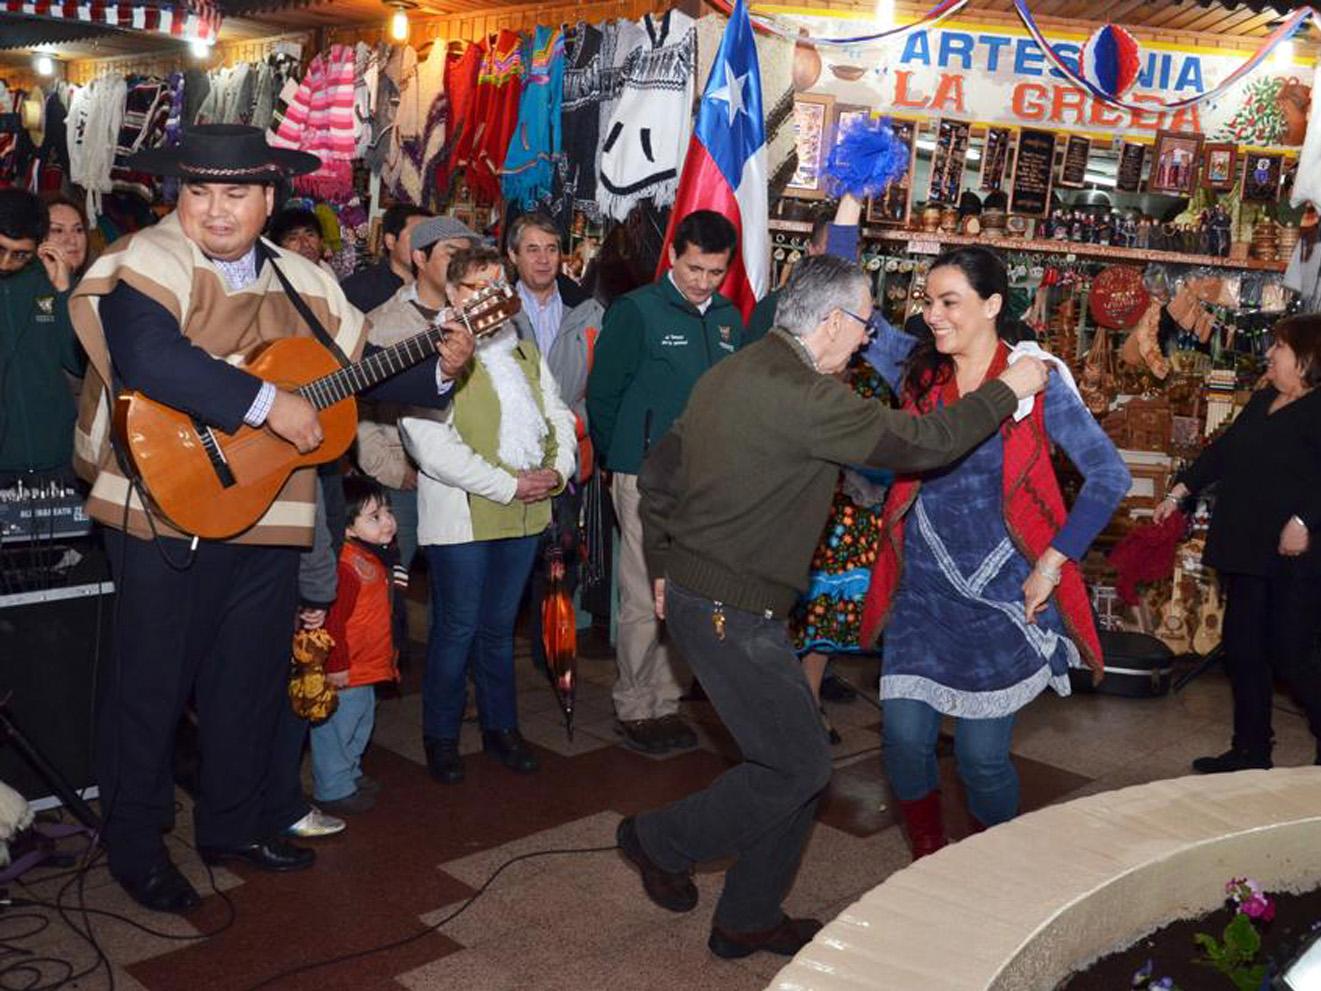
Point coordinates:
[[1051, 575]]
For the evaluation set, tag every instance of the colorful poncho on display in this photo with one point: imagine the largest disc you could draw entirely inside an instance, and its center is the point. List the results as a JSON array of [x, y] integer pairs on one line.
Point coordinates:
[[461, 73], [319, 120], [499, 87], [529, 165], [647, 137], [146, 112], [580, 117]]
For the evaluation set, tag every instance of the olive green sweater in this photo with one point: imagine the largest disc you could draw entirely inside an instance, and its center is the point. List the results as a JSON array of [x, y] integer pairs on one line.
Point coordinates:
[[734, 498]]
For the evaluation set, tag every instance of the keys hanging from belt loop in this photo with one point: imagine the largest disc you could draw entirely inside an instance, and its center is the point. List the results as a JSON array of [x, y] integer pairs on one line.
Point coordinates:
[[718, 620]]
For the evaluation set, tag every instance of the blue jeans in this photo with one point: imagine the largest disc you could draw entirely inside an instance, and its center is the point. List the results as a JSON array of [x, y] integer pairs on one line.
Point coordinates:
[[475, 591], [339, 742], [981, 748]]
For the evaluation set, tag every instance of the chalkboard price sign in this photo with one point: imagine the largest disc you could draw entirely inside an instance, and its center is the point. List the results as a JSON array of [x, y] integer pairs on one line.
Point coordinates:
[[1073, 174], [1131, 157], [1034, 170]]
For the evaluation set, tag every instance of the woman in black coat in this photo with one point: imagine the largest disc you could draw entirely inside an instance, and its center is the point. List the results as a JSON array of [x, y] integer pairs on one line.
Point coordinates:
[[1267, 472]]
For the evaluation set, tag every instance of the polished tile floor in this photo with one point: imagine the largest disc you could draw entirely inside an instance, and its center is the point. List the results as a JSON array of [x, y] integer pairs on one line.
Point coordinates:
[[385, 896]]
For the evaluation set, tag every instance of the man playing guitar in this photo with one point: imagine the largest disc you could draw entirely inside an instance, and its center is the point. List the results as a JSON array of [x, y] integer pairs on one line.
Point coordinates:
[[169, 312]]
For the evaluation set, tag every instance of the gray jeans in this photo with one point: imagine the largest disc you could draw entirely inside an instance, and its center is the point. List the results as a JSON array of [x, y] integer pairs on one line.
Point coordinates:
[[761, 811]]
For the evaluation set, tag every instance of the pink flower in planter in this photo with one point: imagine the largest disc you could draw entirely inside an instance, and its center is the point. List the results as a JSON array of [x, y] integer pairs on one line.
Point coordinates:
[[1258, 907]]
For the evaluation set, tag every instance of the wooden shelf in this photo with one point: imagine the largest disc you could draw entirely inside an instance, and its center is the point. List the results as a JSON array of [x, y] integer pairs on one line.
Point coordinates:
[[1100, 251]]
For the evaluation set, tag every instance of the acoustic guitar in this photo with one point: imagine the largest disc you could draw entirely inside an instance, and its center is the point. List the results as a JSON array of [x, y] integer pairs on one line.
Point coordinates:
[[215, 485]]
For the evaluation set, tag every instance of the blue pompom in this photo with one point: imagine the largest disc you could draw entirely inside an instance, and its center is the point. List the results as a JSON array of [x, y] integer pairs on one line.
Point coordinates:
[[866, 158]]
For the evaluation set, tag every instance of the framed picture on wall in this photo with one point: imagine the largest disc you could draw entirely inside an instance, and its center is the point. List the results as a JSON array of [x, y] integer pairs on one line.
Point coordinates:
[[948, 160], [812, 132], [1219, 166], [995, 158], [1261, 177], [894, 207], [1073, 171], [1174, 163]]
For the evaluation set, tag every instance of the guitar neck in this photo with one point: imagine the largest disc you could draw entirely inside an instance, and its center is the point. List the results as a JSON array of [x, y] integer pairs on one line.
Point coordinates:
[[376, 367]]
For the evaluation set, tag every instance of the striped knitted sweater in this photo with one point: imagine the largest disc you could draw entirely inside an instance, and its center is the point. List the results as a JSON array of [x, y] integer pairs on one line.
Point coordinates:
[[162, 263], [319, 119]]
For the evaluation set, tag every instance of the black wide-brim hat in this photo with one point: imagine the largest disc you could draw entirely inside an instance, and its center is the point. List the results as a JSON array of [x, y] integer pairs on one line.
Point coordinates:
[[224, 153]]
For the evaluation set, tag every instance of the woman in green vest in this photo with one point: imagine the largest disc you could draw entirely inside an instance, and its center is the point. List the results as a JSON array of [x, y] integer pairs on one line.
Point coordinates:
[[488, 469]]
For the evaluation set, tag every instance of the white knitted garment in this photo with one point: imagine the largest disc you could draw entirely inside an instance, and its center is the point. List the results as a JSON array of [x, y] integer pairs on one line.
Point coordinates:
[[523, 428], [95, 115], [1307, 184]]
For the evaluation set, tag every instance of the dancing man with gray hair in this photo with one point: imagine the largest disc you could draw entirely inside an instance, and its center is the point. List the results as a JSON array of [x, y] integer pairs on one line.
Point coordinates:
[[734, 498]]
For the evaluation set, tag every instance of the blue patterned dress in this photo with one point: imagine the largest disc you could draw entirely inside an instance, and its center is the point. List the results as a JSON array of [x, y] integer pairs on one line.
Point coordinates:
[[957, 638]]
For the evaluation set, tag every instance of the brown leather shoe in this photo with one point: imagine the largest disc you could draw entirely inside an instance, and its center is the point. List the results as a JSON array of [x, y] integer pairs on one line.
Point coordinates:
[[673, 891], [786, 939]]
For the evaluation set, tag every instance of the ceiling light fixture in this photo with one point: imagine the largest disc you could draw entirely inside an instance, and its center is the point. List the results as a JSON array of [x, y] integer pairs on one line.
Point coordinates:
[[199, 49], [399, 24], [44, 65]]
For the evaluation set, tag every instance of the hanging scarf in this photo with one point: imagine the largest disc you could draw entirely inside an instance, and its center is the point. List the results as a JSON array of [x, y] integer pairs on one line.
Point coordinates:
[[319, 119], [1034, 512], [647, 138], [529, 164]]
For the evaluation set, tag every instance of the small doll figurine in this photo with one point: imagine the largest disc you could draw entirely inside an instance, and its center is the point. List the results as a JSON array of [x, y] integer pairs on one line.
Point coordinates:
[[1144, 233]]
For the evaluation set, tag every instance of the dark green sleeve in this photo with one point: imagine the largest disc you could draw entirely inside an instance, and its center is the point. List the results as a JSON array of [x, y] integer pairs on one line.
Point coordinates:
[[658, 484], [850, 430], [616, 360], [762, 319], [72, 356]]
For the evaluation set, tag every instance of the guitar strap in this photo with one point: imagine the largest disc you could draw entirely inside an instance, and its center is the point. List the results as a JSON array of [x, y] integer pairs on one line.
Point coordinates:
[[309, 318]]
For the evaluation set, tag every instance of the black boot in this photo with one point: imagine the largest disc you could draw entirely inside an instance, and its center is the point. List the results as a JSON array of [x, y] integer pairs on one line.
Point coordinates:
[[1231, 760], [443, 760], [506, 746]]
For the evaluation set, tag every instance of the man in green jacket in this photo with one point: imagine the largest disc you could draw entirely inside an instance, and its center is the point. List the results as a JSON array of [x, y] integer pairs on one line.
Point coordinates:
[[37, 345], [655, 343], [733, 502]]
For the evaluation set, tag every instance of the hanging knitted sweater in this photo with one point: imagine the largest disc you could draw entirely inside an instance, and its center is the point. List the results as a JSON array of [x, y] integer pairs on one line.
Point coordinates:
[[529, 166], [461, 90], [647, 137], [319, 120], [499, 86], [146, 111], [581, 117], [413, 178]]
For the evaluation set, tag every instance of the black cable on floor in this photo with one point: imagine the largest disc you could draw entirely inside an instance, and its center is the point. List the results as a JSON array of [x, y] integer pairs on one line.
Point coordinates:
[[429, 930]]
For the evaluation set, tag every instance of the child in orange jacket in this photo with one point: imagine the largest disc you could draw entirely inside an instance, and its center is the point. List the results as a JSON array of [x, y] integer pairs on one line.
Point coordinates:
[[364, 653]]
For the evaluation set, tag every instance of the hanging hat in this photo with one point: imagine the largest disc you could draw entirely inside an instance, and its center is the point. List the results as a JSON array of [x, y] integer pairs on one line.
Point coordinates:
[[32, 114], [224, 153]]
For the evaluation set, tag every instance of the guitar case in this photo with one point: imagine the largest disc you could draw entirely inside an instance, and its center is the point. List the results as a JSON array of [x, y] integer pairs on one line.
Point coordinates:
[[1137, 665]]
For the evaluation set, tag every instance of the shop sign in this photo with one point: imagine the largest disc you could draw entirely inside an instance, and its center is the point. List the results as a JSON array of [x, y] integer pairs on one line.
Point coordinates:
[[1001, 77]]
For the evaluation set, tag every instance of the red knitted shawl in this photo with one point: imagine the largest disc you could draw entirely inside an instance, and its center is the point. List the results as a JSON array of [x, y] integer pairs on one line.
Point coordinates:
[[1034, 512]]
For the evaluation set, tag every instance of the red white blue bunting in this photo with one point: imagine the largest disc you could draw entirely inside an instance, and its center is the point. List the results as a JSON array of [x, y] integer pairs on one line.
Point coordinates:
[[1095, 82], [199, 20], [767, 25]]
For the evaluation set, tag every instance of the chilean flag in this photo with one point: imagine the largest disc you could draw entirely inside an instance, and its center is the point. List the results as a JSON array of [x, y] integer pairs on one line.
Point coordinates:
[[725, 169]]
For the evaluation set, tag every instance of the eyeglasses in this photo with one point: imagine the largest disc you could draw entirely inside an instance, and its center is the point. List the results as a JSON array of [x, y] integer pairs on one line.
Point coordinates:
[[865, 321]]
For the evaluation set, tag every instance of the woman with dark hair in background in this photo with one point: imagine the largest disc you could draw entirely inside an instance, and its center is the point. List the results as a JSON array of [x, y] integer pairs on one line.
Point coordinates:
[[1267, 471], [68, 231], [976, 582]]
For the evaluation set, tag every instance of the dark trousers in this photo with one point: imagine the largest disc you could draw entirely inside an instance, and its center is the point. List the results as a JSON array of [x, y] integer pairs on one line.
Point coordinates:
[[1270, 631], [218, 631], [761, 811]]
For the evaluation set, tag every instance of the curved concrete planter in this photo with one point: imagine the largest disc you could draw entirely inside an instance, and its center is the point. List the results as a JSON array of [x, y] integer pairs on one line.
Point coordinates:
[[1019, 907]]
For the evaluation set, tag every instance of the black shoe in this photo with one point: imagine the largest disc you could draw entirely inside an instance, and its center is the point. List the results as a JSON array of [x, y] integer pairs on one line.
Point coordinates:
[[163, 889], [836, 689], [646, 735], [507, 746], [832, 734], [443, 760], [786, 939], [675, 733], [275, 855], [1231, 760], [673, 891]]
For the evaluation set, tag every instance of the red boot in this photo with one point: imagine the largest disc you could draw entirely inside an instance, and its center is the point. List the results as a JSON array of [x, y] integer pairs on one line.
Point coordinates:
[[924, 824]]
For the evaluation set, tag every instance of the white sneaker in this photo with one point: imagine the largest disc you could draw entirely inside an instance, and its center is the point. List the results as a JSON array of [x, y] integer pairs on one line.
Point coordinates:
[[315, 823]]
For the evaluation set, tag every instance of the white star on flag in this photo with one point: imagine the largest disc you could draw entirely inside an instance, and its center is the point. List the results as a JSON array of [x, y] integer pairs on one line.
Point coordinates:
[[731, 94]]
